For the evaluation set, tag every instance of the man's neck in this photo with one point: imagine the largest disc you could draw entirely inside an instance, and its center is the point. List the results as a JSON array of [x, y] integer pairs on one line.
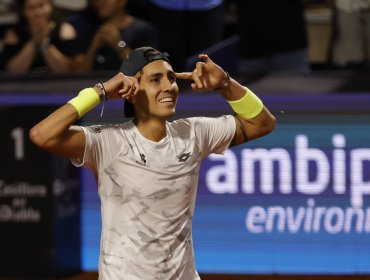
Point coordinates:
[[154, 130]]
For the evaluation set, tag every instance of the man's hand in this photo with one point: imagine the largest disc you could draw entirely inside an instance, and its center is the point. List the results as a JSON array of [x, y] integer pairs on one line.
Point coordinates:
[[121, 86], [207, 75]]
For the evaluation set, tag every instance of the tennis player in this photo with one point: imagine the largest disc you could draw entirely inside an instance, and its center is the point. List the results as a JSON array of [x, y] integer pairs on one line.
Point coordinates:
[[147, 168]]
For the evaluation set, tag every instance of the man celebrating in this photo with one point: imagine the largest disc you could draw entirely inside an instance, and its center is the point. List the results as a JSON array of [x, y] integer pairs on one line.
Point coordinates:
[[147, 168]]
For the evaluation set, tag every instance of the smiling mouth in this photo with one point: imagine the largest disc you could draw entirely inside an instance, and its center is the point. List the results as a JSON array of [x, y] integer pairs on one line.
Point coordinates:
[[166, 100]]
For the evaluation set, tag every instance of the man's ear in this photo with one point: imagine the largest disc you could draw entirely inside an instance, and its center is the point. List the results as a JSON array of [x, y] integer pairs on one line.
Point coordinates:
[[138, 75], [133, 98]]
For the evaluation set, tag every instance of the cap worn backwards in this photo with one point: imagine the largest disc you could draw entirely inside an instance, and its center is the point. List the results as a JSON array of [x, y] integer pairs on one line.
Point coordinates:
[[136, 60]]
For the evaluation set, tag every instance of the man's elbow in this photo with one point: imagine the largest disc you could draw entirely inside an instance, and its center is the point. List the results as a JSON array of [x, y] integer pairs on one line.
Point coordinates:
[[272, 124], [267, 126], [37, 137]]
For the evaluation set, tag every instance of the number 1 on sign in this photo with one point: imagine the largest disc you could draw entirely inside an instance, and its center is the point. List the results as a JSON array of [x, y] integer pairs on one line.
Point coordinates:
[[18, 136]]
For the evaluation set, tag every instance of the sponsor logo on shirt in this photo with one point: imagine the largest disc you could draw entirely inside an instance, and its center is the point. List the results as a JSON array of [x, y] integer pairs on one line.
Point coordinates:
[[96, 129], [184, 157]]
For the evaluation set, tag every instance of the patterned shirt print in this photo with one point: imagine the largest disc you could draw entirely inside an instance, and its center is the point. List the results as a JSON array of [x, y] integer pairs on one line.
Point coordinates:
[[147, 191]]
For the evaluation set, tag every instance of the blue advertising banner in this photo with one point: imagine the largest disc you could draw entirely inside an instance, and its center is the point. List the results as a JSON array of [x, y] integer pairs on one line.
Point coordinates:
[[295, 201]]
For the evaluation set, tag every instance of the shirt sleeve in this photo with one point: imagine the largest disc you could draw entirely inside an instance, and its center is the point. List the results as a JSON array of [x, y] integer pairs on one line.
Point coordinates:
[[100, 149], [214, 135]]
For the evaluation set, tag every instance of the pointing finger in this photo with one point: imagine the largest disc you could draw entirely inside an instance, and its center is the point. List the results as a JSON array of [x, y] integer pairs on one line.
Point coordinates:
[[205, 58], [199, 66], [184, 76], [196, 79], [136, 88]]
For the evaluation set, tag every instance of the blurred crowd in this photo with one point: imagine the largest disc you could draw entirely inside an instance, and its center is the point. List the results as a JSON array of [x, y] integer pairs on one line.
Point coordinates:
[[79, 36]]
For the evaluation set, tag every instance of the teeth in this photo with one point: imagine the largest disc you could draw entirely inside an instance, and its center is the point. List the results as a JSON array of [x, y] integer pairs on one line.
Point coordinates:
[[166, 99]]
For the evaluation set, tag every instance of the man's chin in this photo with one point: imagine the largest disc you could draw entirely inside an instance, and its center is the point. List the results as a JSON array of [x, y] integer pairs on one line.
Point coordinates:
[[169, 114]]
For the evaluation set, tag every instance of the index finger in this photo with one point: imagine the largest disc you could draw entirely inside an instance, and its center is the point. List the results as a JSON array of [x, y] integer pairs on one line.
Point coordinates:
[[184, 76], [136, 87], [205, 58]]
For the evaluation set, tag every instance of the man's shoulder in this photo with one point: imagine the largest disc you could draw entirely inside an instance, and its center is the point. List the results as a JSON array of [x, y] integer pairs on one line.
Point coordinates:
[[198, 121], [192, 124], [186, 122], [110, 127]]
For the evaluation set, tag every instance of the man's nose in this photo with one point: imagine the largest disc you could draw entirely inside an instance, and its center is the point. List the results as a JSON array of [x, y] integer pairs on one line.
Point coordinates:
[[168, 85]]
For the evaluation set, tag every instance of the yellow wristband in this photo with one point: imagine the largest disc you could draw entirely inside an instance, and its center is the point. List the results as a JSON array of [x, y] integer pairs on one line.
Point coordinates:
[[86, 100], [248, 107]]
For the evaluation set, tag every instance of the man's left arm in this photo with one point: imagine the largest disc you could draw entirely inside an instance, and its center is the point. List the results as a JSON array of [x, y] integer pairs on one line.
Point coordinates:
[[253, 119]]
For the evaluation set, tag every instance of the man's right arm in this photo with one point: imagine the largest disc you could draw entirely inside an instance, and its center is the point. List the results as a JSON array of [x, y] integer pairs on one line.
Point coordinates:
[[56, 132], [57, 135]]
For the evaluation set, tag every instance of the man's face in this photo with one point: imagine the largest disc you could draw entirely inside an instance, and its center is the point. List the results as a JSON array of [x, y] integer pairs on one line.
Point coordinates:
[[158, 91]]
